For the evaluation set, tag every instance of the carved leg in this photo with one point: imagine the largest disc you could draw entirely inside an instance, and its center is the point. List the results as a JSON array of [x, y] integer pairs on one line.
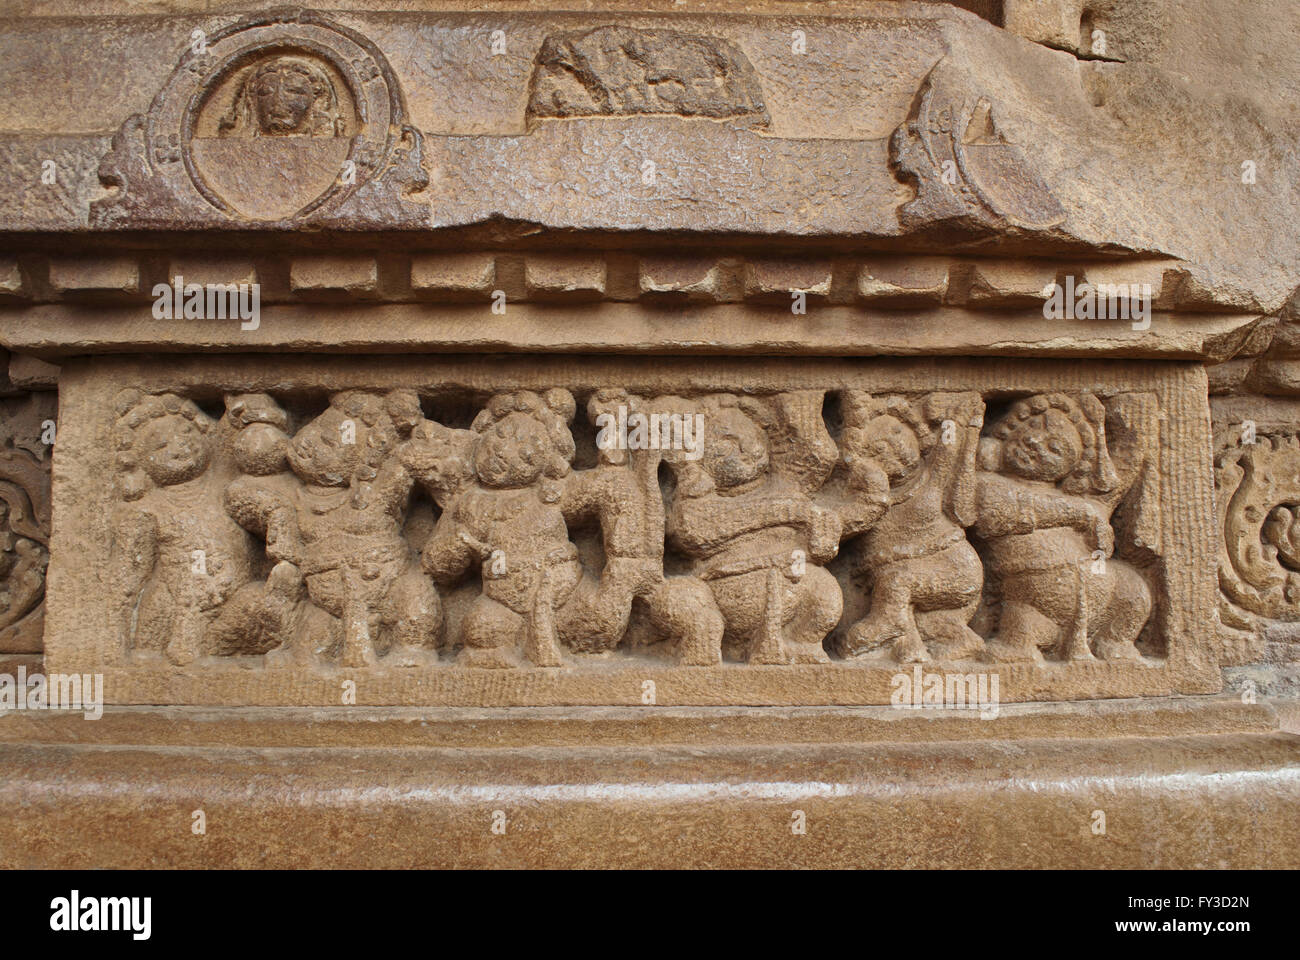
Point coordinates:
[[414, 613], [258, 616], [948, 635], [595, 616], [890, 620], [541, 637], [769, 646], [1125, 616], [492, 632], [684, 607], [1022, 631], [283, 592], [309, 635], [359, 622], [186, 644], [818, 606], [1075, 646]]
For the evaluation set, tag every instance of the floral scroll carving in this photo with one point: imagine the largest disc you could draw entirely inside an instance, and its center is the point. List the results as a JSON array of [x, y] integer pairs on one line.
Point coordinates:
[[1259, 509]]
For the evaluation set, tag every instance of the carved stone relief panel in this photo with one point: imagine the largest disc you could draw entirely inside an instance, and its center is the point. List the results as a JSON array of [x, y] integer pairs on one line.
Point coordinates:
[[265, 122], [1257, 486], [509, 531], [622, 71], [27, 432]]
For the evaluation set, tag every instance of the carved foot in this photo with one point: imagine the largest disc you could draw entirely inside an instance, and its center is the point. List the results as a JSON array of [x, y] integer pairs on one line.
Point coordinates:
[[1115, 650], [406, 657], [965, 648], [806, 653], [181, 652], [488, 658], [285, 657], [909, 648], [701, 653], [769, 654], [186, 645], [873, 635], [999, 651]]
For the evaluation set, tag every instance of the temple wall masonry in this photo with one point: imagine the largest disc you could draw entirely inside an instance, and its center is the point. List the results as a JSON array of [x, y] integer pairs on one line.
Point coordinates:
[[693, 355]]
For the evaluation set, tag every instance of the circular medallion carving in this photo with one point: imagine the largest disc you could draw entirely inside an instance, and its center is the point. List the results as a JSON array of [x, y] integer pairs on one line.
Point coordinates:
[[273, 118]]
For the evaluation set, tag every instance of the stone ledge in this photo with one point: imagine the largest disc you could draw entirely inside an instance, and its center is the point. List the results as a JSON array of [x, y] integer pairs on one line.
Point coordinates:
[[1212, 794], [508, 727]]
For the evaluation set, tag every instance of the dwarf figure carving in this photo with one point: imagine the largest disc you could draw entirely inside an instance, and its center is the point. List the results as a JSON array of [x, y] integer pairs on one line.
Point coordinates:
[[22, 565], [509, 496], [336, 521], [743, 513], [181, 569], [1046, 489], [924, 575]]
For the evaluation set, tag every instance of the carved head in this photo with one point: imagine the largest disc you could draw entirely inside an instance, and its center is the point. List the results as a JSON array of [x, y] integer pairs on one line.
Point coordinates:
[[1046, 446], [165, 439], [172, 450], [348, 442], [893, 445], [1054, 438], [887, 432], [523, 437], [736, 449], [285, 96], [260, 443]]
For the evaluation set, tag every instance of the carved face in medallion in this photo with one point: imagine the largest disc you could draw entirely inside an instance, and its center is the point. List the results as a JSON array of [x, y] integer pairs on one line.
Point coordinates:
[[284, 96], [1044, 447], [273, 134]]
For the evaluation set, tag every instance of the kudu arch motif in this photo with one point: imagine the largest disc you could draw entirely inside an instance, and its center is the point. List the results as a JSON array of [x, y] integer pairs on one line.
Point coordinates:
[[364, 533]]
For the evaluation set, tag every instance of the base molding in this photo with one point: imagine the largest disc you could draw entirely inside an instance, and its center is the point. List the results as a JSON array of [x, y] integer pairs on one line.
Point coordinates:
[[1182, 782]]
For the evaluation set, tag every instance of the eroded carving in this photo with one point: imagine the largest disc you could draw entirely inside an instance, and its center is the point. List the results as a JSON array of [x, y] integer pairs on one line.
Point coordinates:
[[925, 577], [510, 496], [744, 513], [279, 118], [623, 71], [1259, 508], [284, 96], [24, 518], [963, 167], [183, 574], [334, 522], [1046, 490], [703, 525]]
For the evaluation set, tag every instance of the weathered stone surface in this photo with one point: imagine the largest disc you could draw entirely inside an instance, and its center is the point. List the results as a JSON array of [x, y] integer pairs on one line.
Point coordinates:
[[31, 373], [284, 598], [467, 276], [611, 391], [334, 278], [101, 277], [26, 438], [833, 111], [564, 278], [621, 71], [619, 789]]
